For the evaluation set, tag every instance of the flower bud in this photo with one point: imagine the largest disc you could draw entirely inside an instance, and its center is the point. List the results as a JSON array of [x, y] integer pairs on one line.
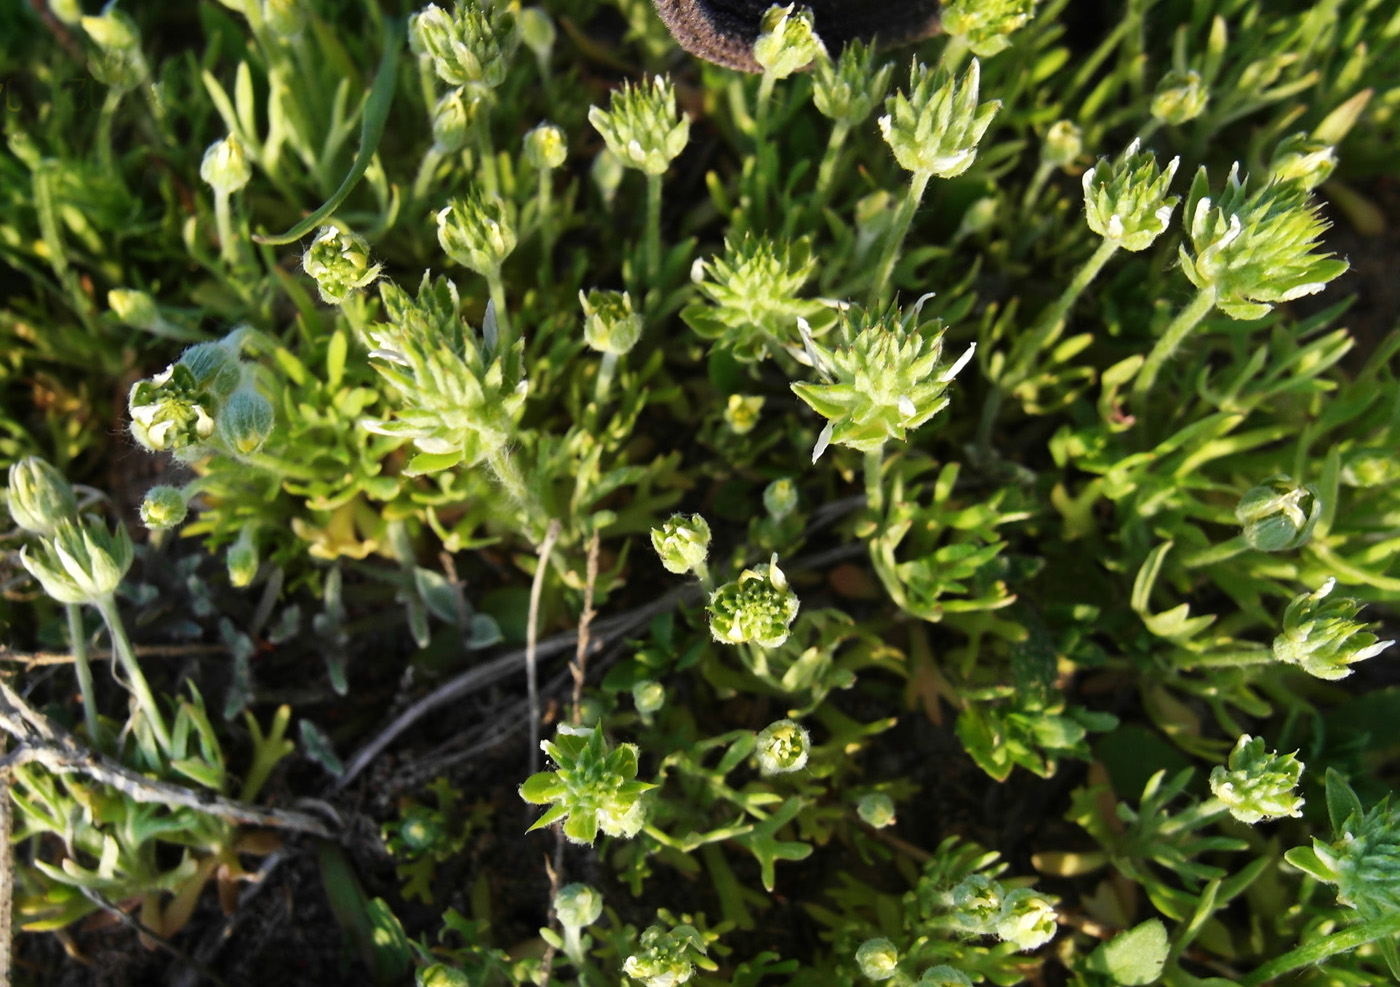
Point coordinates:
[[472, 47], [246, 421], [135, 308], [782, 746], [985, 26], [849, 89], [1322, 637], [1370, 467], [1180, 97], [935, 129], [682, 543], [609, 324], [757, 607], [943, 975], [780, 498], [545, 147], [537, 31], [876, 809], [213, 367], [578, 905], [648, 696], [475, 232], [1258, 784], [452, 121], [242, 559], [1027, 919], [81, 562], [977, 900], [1303, 160], [642, 126], [1278, 515], [420, 829], [1064, 142], [787, 41], [1126, 201], [741, 412], [979, 217], [39, 496], [225, 167], [119, 62], [340, 264], [878, 959], [163, 508]]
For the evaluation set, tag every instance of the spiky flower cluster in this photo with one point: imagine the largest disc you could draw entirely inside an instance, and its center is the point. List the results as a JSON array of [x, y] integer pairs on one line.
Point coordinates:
[[667, 957], [339, 262], [1024, 917], [848, 89], [935, 129], [460, 395], [1252, 249], [642, 127], [986, 26], [757, 607], [782, 746], [787, 41], [1258, 784], [476, 232], [885, 379], [1322, 637], [682, 543], [470, 47], [753, 295], [592, 788], [1126, 201]]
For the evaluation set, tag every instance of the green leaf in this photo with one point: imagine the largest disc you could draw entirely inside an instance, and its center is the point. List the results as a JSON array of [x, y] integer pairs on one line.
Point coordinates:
[[1134, 957], [542, 787], [1342, 803]]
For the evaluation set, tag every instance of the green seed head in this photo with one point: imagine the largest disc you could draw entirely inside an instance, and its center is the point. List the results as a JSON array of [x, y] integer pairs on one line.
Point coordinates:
[[849, 89], [1126, 201], [757, 607], [40, 498], [225, 167], [1256, 784], [787, 41], [935, 129], [163, 508], [682, 542], [753, 291], [472, 47], [609, 324], [642, 126], [1180, 97], [1322, 637], [877, 959], [475, 231], [986, 26], [340, 264]]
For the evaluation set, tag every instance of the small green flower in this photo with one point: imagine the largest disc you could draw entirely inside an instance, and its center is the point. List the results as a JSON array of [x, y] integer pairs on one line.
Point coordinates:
[[667, 958], [753, 295], [883, 381], [977, 901], [40, 498], [592, 788], [757, 607], [1278, 515], [81, 562], [781, 747], [943, 975], [1063, 144], [876, 809], [642, 127], [848, 89], [1301, 159], [780, 498], [340, 264], [1253, 249], [787, 41], [741, 412], [546, 147], [225, 167], [1181, 96], [578, 905], [1257, 784], [877, 959], [1027, 919], [985, 26], [609, 324], [1126, 201], [1322, 637], [648, 696], [472, 47], [936, 128], [453, 116], [682, 543], [163, 508], [475, 231]]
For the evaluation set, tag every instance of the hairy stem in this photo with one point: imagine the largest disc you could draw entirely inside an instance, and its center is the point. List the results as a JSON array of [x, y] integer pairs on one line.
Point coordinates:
[[77, 640], [899, 229], [1186, 320], [121, 647]]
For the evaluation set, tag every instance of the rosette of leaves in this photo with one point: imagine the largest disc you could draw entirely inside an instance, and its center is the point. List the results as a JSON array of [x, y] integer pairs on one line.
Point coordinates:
[[884, 378], [752, 292], [460, 394], [591, 788]]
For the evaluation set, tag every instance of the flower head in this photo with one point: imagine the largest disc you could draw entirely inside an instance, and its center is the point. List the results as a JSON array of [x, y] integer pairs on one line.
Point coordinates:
[[1255, 248], [475, 231], [471, 47], [225, 167], [682, 543], [546, 147], [578, 905], [986, 26], [592, 788], [848, 89], [453, 116], [1181, 96], [163, 507], [757, 607], [935, 129], [1299, 158], [666, 958], [878, 959], [81, 562], [1027, 919], [609, 323], [782, 746], [340, 264], [1363, 858], [642, 126], [787, 41], [876, 809], [753, 295], [1126, 201], [1257, 784], [1322, 637], [40, 498]]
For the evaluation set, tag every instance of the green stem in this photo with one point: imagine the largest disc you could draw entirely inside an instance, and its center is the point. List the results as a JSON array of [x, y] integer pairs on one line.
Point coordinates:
[[874, 487], [121, 647], [503, 466], [1315, 952], [762, 148], [899, 229], [653, 266], [1036, 186], [1186, 320], [77, 639], [105, 157], [498, 297], [486, 149], [427, 171], [1227, 549], [224, 223], [546, 214], [606, 367], [826, 172]]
